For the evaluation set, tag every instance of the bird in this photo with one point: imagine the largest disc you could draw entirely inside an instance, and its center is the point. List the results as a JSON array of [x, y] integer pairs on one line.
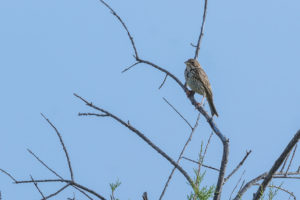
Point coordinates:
[[197, 80]]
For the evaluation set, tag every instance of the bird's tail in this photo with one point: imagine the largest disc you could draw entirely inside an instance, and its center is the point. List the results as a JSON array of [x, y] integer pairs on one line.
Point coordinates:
[[213, 109]]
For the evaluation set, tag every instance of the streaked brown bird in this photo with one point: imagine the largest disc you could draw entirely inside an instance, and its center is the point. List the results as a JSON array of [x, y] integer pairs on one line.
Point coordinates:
[[197, 80]]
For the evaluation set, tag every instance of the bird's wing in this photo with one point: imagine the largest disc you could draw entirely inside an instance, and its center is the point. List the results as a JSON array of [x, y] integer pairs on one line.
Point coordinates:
[[204, 79]]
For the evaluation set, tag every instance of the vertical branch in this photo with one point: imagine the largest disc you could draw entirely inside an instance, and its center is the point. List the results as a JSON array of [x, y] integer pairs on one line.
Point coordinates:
[[63, 146], [276, 165], [201, 31]]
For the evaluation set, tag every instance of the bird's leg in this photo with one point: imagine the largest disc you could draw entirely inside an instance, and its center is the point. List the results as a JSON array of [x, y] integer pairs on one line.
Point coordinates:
[[201, 103]]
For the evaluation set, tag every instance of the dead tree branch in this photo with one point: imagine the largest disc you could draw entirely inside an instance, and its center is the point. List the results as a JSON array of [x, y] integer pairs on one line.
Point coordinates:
[[141, 135], [201, 31], [282, 189], [276, 165], [63, 146], [206, 166], [38, 189], [180, 156], [238, 166], [182, 117]]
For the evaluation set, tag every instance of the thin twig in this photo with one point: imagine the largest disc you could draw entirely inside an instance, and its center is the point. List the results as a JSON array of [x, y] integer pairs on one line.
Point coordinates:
[[44, 164], [124, 26], [276, 165], [9, 175], [63, 181], [92, 114], [131, 66], [180, 156], [291, 159], [178, 112], [37, 187], [285, 161], [141, 135], [56, 174], [237, 184], [205, 151], [163, 82], [63, 145], [238, 166], [58, 191], [206, 166], [201, 31], [282, 189]]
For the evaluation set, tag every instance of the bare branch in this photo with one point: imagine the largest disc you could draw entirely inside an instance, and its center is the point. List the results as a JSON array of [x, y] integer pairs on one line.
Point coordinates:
[[131, 66], [64, 181], [291, 159], [276, 165], [163, 82], [63, 145], [285, 161], [56, 174], [180, 156], [44, 164], [37, 187], [205, 151], [141, 135], [282, 189], [92, 114], [201, 31], [8, 174], [178, 113], [206, 166], [237, 184], [238, 166], [57, 192], [248, 185], [124, 26]]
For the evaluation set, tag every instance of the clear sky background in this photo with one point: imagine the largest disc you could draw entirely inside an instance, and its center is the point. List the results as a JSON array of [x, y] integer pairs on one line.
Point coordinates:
[[51, 49]]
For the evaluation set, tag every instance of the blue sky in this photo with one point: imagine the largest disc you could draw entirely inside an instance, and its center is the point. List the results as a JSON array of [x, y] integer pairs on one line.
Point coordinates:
[[51, 49]]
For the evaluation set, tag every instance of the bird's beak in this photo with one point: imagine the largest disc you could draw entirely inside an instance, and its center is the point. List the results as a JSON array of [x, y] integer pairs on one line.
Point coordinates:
[[185, 62]]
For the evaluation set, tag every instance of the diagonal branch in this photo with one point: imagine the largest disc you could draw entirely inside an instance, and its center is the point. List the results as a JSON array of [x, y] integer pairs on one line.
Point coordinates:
[[201, 31], [292, 158], [124, 26], [238, 166], [56, 174], [282, 189], [63, 145], [184, 119], [276, 165], [58, 191], [44, 164], [180, 156], [141, 135], [162, 84], [196, 162], [37, 187]]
